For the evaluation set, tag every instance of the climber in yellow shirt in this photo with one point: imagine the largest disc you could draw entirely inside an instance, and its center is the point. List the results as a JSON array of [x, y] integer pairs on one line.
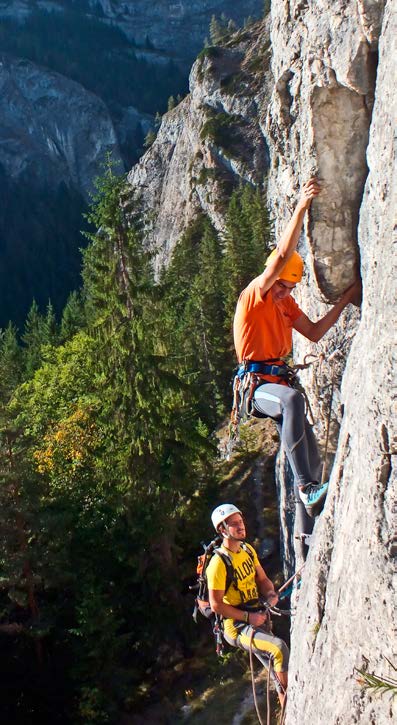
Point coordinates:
[[240, 605]]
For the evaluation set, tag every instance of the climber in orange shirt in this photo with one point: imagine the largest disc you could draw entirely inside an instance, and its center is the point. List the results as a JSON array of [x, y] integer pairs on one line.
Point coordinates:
[[265, 316]]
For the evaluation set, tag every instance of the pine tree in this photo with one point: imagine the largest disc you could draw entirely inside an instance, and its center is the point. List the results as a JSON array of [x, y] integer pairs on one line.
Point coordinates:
[[171, 103], [50, 326], [193, 310], [217, 29], [73, 316], [11, 362], [247, 238], [150, 139], [34, 337], [231, 27]]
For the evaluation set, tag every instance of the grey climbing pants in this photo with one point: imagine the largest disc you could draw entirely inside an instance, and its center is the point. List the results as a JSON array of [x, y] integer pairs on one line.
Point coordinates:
[[287, 407]]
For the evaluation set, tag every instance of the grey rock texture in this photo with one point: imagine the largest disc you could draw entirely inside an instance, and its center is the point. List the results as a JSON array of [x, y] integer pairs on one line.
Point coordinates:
[[322, 119], [190, 167], [42, 140], [319, 116]]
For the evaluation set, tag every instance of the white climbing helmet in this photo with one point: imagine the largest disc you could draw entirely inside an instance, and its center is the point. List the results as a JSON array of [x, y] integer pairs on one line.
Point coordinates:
[[223, 512]]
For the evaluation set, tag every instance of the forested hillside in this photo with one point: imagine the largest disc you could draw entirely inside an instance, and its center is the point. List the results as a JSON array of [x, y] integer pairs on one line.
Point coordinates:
[[108, 460]]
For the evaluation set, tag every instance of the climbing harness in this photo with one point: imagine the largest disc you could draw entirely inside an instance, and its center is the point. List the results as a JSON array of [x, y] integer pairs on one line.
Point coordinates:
[[247, 378]]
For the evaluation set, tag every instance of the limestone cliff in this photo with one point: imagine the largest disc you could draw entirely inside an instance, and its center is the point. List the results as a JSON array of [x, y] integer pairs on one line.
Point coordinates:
[[326, 77], [326, 109], [211, 141]]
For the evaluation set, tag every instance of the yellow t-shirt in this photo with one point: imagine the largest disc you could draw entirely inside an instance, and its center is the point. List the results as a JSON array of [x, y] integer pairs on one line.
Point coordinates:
[[246, 589]]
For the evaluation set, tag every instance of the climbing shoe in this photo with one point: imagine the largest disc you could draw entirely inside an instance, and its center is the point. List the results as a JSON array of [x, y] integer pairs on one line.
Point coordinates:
[[313, 495]]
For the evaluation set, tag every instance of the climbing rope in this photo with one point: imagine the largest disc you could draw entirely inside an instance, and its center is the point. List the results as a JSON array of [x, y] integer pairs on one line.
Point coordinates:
[[285, 585], [278, 612], [283, 710], [253, 679], [269, 671], [269, 675]]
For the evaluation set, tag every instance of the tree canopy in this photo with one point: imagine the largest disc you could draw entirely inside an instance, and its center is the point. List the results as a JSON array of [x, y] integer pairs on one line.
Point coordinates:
[[108, 459]]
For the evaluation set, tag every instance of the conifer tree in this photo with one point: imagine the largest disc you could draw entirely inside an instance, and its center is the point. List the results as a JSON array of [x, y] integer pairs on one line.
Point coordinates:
[[11, 362], [143, 402], [206, 312], [50, 326], [150, 139], [73, 316], [34, 337], [231, 26], [218, 29], [248, 235], [171, 103]]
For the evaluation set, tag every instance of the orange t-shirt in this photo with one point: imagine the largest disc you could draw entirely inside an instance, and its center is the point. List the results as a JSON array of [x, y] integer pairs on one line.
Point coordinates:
[[262, 329]]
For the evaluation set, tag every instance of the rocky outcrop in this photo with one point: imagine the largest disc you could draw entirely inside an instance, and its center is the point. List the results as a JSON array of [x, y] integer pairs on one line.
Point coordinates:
[[42, 140], [210, 142], [320, 119]]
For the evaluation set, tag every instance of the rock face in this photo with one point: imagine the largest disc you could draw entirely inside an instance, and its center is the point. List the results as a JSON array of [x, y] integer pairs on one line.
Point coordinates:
[[319, 120], [41, 140], [198, 157]]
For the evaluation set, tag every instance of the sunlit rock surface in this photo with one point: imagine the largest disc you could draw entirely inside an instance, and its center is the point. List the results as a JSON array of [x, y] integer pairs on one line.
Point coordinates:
[[332, 113], [195, 162]]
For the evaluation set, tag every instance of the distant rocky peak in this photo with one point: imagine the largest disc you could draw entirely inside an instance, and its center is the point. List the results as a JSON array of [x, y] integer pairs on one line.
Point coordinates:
[[164, 24]]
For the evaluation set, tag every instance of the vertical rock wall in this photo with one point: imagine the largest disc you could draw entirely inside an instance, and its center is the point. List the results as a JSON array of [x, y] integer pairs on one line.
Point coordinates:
[[323, 119]]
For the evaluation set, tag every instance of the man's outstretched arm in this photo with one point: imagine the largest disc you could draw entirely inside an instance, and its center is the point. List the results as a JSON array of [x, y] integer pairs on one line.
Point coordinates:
[[314, 331], [290, 236]]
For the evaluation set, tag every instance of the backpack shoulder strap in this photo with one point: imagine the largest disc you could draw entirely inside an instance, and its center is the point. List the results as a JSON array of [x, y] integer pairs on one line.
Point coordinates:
[[230, 573], [248, 549]]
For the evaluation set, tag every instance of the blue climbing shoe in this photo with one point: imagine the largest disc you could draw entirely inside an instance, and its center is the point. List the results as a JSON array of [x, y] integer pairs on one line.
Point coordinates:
[[313, 496]]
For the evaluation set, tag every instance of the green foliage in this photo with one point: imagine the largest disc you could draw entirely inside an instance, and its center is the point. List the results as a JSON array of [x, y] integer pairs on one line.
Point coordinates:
[[107, 456], [222, 129], [210, 51], [150, 139], [194, 311], [378, 683], [73, 316], [220, 29], [171, 103], [248, 237], [11, 362]]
